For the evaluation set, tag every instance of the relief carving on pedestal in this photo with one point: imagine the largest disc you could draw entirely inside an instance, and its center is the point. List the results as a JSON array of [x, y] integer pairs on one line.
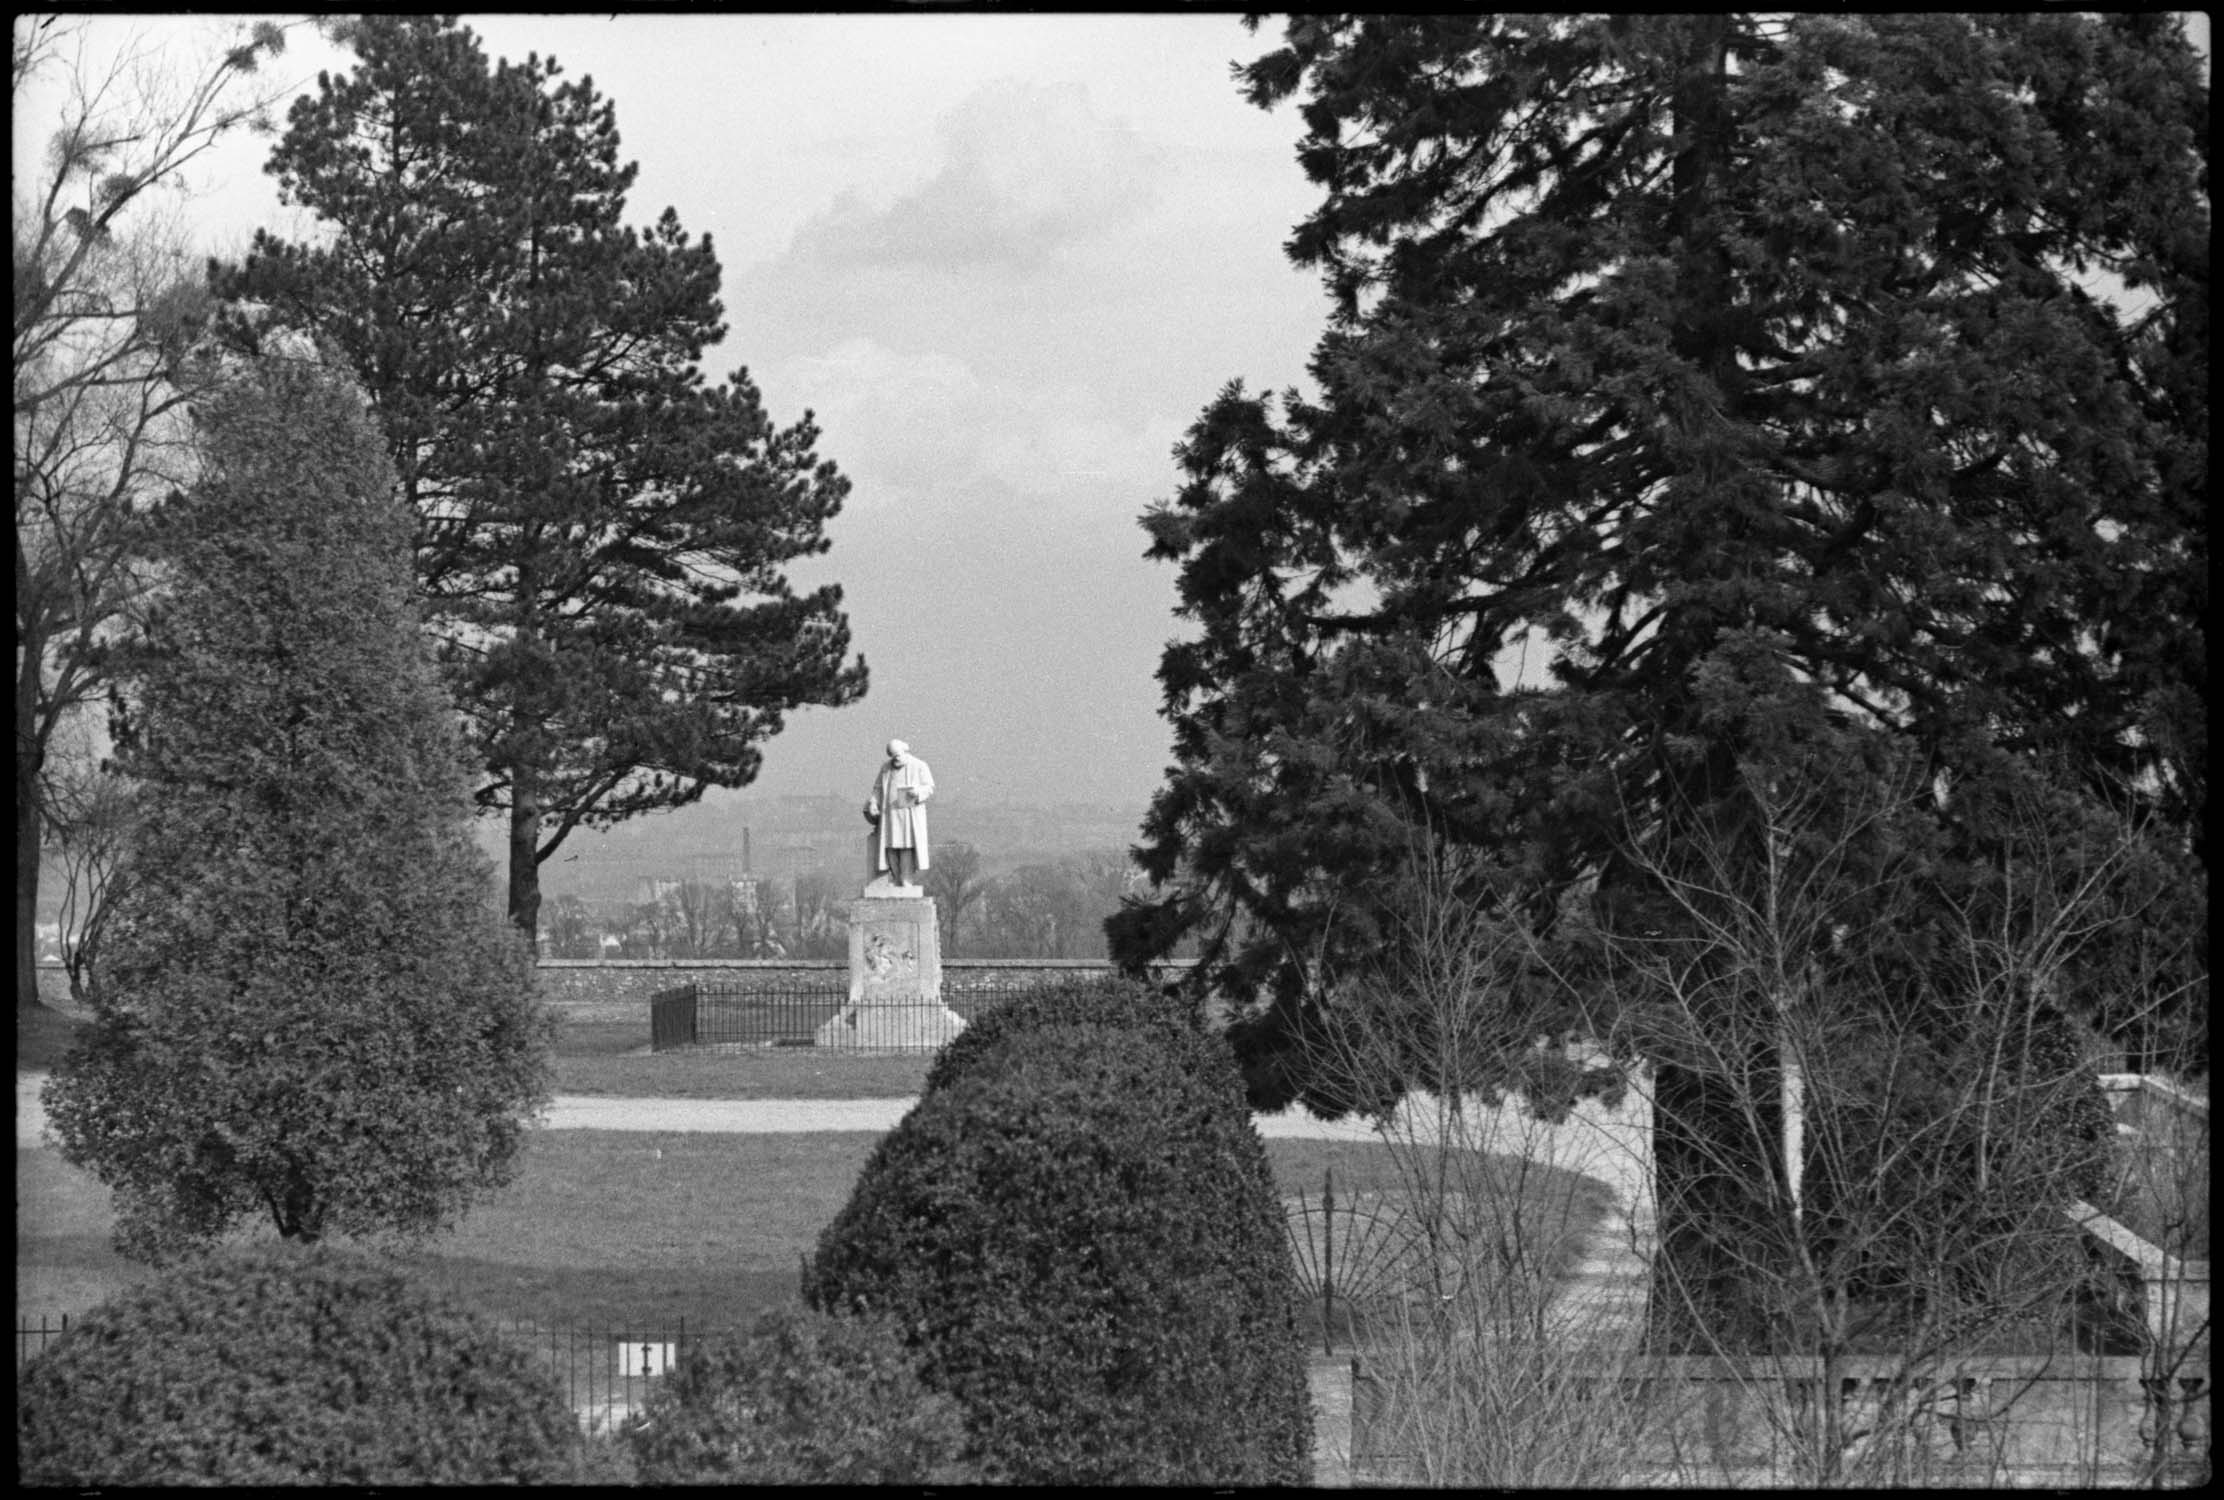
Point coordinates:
[[888, 958]]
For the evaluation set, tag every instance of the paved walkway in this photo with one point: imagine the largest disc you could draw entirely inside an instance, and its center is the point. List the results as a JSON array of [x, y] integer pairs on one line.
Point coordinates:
[[783, 1116], [1593, 1141], [760, 1116]]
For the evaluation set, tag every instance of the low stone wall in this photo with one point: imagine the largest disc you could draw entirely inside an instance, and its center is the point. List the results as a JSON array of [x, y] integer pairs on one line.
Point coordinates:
[[620, 989]]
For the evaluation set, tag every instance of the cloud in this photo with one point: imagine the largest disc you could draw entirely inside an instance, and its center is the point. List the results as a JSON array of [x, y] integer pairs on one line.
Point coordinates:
[[902, 421], [1028, 170], [919, 427]]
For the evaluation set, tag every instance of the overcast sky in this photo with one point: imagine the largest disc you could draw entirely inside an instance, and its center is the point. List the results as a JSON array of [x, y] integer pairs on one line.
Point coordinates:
[[1006, 260]]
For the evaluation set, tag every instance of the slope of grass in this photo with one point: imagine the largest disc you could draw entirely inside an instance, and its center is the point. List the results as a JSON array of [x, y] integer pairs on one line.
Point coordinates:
[[610, 1060], [42, 1035], [600, 1226], [610, 1227]]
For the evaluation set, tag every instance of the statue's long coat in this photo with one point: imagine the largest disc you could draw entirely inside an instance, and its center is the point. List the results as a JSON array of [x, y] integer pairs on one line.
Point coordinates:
[[901, 827]]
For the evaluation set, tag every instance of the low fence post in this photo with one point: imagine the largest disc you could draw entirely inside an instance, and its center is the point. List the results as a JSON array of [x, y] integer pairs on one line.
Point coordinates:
[[1328, 1261]]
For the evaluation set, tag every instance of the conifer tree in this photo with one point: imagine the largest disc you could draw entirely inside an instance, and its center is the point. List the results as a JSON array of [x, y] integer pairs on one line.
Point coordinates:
[[1703, 376], [313, 1014], [600, 533]]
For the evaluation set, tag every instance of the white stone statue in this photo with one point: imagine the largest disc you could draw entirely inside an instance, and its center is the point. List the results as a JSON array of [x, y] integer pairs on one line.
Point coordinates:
[[897, 810]]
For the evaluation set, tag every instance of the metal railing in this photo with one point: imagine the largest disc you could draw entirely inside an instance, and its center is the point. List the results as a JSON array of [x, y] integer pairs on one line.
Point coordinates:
[[785, 1007], [605, 1370], [31, 1341]]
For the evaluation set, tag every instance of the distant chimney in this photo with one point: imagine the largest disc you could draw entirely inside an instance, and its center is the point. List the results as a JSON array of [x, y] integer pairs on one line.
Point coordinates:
[[745, 848]]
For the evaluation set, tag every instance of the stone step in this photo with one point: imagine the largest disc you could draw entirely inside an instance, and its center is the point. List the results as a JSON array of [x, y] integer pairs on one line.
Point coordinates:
[[1329, 1378]]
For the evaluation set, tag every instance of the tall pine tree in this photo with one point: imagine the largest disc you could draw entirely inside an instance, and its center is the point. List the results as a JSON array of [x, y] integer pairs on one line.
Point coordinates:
[[1707, 374], [600, 533], [312, 1014]]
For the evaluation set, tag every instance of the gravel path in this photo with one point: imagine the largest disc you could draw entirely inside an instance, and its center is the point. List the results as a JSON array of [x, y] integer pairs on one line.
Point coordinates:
[[767, 1116], [1600, 1142], [782, 1116]]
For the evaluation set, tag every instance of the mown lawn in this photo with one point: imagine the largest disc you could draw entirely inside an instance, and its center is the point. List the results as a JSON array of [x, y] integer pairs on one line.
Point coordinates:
[[609, 1227], [42, 1035], [610, 1059], [619, 1227]]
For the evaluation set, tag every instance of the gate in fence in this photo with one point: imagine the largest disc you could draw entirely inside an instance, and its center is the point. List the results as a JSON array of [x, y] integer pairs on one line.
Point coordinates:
[[607, 1371]]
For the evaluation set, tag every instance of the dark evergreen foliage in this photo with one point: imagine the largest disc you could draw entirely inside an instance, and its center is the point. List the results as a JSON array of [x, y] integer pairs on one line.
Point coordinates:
[[1662, 339], [600, 534], [287, 1366], [805, 1399], [1080, 1238], [313, 1014], [1695, 379]]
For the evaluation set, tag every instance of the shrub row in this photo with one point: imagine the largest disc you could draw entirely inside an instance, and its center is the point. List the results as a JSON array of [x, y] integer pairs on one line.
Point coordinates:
[[806, 1399], [1077, 1232], [294, 1366]]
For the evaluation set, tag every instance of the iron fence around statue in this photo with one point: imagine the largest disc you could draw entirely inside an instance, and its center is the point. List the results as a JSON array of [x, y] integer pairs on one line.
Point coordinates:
[[785, 1007]]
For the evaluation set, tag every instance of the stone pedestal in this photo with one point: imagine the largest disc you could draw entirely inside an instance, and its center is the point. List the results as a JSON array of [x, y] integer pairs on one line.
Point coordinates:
[[895, 978]]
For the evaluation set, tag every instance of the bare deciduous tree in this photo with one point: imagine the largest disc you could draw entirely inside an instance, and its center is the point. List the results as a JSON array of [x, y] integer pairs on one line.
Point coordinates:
[[91, 814], [1925, 1105], [106, 308], [954, 881]]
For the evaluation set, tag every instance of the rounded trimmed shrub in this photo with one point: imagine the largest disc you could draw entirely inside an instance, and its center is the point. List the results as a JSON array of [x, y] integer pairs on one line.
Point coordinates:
[[1080, 1236], [805, 1399], [1096, 1000], [286, 1365]]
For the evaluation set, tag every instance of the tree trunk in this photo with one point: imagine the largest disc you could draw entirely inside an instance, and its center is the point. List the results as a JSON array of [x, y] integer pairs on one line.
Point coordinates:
[[1719, 1275], [525, 856], [30, 756], [1724, 1265], [27, 893]]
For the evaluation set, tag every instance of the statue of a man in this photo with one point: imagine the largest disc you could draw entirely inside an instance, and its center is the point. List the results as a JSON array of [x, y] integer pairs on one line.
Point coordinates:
[[898, 811]]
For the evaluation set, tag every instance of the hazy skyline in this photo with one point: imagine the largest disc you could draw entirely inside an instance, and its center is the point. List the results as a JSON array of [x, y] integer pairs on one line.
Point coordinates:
[[1007, 260]]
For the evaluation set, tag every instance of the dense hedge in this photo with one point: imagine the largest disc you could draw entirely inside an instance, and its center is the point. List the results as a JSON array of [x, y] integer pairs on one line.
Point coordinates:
[[806, 1399], [287, 1366], [1079, 1234], [1107, 1000]]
